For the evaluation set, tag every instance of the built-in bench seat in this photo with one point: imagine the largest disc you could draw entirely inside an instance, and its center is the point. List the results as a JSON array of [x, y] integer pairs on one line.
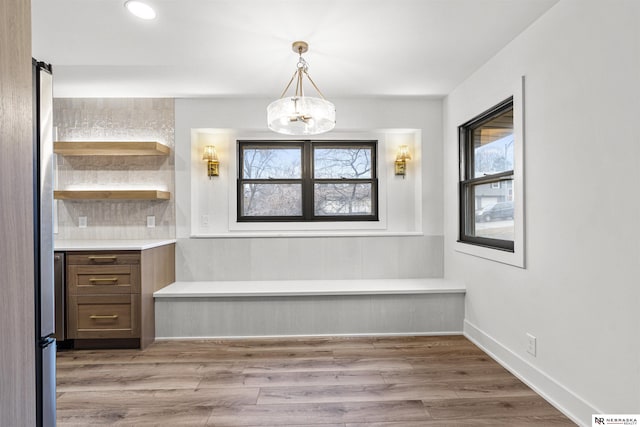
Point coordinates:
[[309, 307]]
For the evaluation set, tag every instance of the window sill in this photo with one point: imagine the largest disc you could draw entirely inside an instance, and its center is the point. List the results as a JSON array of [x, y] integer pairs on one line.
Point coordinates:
[[303, 234], [515, 258]]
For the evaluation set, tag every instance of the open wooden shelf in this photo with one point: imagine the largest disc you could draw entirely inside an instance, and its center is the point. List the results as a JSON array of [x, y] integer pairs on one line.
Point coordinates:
[[111, 195], [110, 148]]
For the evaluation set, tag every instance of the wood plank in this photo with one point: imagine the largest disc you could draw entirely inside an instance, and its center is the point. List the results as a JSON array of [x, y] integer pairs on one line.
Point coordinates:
[[110, 370], [280, 379], [111, 195], [420, 341], [129, 381], [355, 393], [281, 358], [533, 421], [455, 374], [281, 415], [307, 425], [329, 364], [319, 343], [440, 352], [110, 148], [152, 398], [164, 416], [491, 386], [488, 407]]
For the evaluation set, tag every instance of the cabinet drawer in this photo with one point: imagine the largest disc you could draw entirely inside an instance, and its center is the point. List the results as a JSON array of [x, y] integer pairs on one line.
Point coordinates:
[[103, 316], [106, 258], [103, 279]]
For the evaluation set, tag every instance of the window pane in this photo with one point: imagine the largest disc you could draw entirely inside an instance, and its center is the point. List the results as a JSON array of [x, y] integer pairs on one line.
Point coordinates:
[[271, 163], [342, 162], [493, 210], [272, 200], [342, 199], [493, 145]]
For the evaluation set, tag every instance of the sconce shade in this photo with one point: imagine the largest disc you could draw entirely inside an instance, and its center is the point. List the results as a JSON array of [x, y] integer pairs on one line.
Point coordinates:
[[210, 153], [403, 153]]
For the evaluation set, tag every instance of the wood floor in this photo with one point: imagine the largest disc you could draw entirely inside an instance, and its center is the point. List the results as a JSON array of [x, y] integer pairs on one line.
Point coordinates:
[[321, 382]]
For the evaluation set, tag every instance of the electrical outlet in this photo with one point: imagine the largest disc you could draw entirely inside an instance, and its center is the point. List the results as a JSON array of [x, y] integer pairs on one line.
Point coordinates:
[[82, 222], [151, 221], [531, 344], [204, 220]]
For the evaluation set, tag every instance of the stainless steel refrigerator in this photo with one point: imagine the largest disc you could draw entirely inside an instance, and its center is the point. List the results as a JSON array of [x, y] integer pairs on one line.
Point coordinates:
[[45, 343]]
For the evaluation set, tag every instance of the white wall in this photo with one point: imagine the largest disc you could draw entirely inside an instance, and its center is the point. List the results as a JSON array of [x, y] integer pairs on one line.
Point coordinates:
[[579, 293], [400, 253]]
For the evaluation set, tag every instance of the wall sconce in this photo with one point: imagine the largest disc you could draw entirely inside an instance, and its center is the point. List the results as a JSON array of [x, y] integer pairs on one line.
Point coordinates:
[[401, 160], [213, 163]]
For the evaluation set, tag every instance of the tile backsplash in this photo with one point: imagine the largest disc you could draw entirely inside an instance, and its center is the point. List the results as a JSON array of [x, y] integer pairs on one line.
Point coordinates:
[[115, 119]]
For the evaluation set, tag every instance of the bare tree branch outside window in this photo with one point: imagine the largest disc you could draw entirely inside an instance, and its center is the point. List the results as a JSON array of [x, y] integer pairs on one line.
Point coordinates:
[[340, 198], [262, 199]]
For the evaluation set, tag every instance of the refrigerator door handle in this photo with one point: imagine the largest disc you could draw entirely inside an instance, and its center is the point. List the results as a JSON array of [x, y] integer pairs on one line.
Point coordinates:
[[46, 341]]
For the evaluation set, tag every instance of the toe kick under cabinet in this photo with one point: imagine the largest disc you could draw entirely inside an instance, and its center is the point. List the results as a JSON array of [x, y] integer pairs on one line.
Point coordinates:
[[110, 295]]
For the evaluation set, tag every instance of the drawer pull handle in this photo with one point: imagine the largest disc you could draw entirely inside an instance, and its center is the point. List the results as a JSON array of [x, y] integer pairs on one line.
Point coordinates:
[[103, 258], [114, 280], [103, 316]]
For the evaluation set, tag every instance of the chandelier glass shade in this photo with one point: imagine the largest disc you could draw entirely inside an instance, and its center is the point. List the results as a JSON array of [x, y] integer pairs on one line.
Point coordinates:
[[300, 114]]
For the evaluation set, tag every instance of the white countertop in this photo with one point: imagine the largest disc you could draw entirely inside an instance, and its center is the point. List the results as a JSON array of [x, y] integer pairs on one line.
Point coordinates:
[[110, 245], [309, 287]]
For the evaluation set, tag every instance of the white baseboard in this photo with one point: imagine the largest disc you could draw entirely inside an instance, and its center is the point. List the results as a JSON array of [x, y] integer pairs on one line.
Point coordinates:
[[566, 401], [367, 335]]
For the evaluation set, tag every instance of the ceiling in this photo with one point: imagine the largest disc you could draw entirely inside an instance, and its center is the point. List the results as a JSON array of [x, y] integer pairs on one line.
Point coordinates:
[[242, 48]]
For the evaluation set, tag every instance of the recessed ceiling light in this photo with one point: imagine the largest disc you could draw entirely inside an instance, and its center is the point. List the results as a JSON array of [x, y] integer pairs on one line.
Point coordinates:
[[140, 9]]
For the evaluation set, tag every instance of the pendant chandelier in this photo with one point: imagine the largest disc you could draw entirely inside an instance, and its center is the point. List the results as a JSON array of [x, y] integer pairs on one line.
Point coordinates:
[[300, 114]]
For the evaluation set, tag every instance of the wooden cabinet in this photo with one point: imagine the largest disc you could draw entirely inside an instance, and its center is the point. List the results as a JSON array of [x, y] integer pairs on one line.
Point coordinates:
[[104, 279], [105, 316], [103, 290], [110, 295]]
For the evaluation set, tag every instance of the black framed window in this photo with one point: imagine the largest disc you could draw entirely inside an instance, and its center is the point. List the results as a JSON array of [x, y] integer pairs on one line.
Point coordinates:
[[486, 178], [307, 181]]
